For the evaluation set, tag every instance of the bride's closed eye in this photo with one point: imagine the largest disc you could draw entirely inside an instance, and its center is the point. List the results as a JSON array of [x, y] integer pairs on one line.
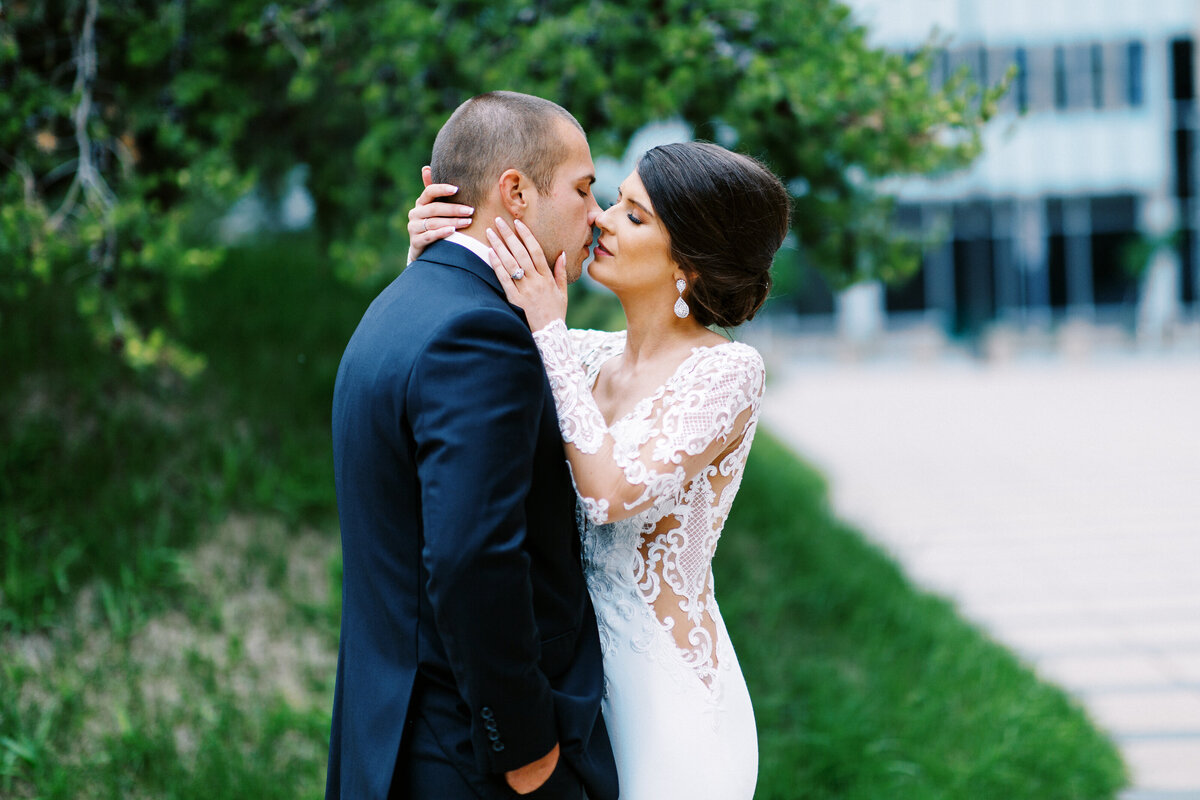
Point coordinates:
[[630, 215]]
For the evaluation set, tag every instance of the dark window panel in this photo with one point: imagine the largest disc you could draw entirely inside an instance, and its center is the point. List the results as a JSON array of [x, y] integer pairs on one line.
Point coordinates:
[[972, 220], [1020, 89], [1184, 143], [1183, 83], [974, 285], [909, 295], [1061, 99], [908, 218], [1113, 281], [1054, 215], [1134, 68], [1097, 64], [1114, 213], [1056, 262]]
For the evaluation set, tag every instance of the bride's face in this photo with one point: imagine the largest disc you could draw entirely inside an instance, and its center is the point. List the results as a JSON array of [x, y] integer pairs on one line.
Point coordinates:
[[633, 253]]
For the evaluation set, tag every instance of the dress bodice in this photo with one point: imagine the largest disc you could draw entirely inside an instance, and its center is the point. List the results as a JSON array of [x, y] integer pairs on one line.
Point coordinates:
[[679, 454]]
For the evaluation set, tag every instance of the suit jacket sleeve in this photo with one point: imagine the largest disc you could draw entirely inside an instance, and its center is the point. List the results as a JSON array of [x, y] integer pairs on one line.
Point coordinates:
[[475, 399]]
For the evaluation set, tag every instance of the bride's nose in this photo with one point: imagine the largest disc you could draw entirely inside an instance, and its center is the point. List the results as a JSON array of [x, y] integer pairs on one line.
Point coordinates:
[[604, 221]]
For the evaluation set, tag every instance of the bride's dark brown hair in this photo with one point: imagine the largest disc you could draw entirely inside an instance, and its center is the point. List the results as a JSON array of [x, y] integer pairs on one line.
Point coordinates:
[[726, 215]]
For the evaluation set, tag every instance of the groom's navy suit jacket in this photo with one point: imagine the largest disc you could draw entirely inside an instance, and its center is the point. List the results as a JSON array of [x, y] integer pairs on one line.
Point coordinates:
[[464, 607]]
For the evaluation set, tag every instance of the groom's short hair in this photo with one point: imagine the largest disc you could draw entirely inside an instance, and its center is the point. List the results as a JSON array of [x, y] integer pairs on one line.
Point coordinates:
[[493, 132]]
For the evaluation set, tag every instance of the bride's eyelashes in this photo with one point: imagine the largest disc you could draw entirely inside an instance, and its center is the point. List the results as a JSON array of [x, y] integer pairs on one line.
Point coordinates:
[[632, 218]]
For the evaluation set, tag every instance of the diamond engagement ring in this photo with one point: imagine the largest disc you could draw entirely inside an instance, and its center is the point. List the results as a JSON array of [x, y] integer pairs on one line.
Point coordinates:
[[518, 274], [426, 224]]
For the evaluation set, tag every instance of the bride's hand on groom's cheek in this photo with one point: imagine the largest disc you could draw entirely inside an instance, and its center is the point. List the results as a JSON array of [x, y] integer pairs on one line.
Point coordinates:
[[522, 269], [431, 219]]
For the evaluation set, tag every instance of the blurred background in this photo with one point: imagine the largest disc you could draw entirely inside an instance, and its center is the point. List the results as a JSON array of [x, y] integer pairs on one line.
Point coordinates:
[[972, 497]]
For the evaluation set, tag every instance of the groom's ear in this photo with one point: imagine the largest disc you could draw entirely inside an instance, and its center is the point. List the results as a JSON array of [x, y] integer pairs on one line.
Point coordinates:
[[514, 193]]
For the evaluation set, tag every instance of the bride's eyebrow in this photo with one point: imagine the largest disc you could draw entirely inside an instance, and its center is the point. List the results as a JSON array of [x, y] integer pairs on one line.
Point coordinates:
[[646, 211]]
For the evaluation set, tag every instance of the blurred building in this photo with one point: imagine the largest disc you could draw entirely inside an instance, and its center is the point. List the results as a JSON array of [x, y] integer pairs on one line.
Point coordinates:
[[1084, 204]]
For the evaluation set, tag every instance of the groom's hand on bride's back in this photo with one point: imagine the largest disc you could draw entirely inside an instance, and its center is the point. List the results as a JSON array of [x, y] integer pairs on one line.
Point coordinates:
[[530, 777]]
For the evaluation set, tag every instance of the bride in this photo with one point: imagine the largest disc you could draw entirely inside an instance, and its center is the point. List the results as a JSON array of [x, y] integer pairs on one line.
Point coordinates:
[[657, 422]]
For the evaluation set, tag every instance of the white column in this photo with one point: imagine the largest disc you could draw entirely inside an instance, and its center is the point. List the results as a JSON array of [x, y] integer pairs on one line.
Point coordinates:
[[1158, 296], [860, 310]]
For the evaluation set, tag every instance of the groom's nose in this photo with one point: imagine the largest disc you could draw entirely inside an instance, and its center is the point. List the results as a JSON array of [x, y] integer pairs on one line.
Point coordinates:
[[594, 210]]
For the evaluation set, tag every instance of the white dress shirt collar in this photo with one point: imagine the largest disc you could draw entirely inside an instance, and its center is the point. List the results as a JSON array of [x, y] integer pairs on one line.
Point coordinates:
[[474, 245]]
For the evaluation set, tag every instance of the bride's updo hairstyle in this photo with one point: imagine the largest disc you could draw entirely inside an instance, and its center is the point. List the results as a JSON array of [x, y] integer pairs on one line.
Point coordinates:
[[726, 215]]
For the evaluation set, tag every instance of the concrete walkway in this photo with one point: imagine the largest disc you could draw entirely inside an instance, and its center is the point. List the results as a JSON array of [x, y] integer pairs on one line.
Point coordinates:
[[1057, 501]]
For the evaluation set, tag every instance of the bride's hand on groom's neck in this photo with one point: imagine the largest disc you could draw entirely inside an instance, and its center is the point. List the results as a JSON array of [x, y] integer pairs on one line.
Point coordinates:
[[430, 219], [528, 280]]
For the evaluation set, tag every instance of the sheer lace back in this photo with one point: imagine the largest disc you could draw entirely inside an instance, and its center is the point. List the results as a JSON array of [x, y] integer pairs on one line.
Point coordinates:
[[674, 464]]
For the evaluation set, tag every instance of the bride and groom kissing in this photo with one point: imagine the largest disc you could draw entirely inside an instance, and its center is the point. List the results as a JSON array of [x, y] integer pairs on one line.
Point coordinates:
[[529, 513]]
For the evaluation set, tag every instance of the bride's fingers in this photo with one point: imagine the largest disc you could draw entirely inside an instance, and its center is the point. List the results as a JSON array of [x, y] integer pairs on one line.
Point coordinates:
[[518, 248], [422, 239], [431, 209], [440, 209], [418, 227], [506, 281], [430, 195], [535, 249], [427, 175], [507, 260], [560, 272]]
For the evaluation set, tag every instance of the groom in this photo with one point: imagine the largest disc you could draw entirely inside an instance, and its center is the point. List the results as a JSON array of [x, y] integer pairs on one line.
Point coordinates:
[[470, 663]]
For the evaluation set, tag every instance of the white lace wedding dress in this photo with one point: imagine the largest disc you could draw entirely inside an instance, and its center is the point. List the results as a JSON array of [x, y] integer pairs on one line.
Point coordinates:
[[675, 702]]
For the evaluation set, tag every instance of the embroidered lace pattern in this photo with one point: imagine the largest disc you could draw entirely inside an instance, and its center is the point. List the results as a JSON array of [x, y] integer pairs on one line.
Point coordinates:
[[681, 452]]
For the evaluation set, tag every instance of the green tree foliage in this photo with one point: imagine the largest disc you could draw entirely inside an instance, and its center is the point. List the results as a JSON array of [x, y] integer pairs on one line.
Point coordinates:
[[126, 125], [126, 128]]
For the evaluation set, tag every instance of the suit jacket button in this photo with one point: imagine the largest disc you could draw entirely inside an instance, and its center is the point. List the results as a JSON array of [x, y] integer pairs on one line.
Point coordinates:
[[493, 735], [497, 747], [486, 713]]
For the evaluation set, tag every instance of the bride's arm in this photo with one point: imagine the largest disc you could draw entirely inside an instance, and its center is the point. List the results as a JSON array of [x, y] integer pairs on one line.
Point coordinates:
[[690, 426]]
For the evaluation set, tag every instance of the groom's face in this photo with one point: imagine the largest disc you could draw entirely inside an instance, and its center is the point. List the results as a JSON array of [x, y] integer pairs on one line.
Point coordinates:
[[562, 217]]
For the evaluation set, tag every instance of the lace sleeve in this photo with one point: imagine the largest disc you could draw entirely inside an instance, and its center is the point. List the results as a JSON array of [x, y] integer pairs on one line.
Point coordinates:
[[579, 418], [704, 408]]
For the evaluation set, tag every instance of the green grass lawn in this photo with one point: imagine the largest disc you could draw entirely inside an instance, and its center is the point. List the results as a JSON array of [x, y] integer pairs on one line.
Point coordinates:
[[170, 579]]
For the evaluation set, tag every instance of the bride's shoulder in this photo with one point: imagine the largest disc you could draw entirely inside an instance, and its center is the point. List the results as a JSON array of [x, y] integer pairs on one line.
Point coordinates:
[[729, 353], [728, 361]]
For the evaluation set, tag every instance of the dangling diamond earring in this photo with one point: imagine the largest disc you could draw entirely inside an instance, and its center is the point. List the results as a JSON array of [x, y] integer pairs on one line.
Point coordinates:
[[681, 308]]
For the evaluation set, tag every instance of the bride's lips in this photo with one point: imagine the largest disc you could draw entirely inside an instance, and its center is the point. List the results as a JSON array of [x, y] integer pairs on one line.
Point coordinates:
[[601, 250]]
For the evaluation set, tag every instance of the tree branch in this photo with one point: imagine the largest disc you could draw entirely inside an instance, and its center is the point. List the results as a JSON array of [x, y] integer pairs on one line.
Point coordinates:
[[28, 181], [87, 177]]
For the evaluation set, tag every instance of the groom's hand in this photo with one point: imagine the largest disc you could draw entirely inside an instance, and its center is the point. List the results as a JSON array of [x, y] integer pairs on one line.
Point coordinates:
[[530, 777]]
